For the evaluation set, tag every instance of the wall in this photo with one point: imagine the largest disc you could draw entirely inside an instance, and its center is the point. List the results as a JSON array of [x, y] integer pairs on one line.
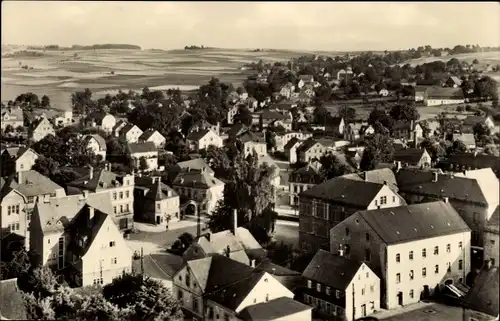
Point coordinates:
[[132, 136], [26, 161], [108, 122], [189, 293], [93, 145], [491, 247], [219, 312], [217, 193], [444, 101], [363, 290], [15, 201], [50, 247], [151, 159], [99, 257], [210, 139], [296, 189], [392, 199]]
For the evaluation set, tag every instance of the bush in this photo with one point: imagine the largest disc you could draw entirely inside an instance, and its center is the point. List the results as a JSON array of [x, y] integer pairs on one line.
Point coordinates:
[[460, 109], [468, 108]]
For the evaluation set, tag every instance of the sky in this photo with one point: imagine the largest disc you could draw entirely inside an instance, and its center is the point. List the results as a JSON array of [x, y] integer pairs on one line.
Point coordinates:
[[327, 26]]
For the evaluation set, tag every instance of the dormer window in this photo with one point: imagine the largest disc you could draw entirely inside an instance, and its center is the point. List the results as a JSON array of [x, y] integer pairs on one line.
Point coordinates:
[[318, 287]]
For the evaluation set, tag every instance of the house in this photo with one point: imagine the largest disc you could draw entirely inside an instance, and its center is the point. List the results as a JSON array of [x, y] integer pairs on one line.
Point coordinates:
[[196, 164], [267, 117], [242, 93], [304, 178], [233, 111], [12, 305], [337, 125], [352, 131], [291, 149], [130, 133], [339, 286], [13, 117], [40, 129], [217, 287], [326, 205], [414, 248], [281, 309], [143, 152], [412, 157], [492, 239], [236, 243], [101, 120], [407, 82], [155, 202], [420, 93], [469, 123], [453, 82], [407, 130], [467, 139], [291, 279], [429, 82], [305, 80], [474, 195], [275, 170], [96, 144], [253, 142], [481, 302], [345, 75], [435, 96], [366, 131], [76, 236], [236, 130], [380, 176], [459, 162], [152, 135], [16, 159], [287, 90], [383, 92], [20, 192], [119, 125], [285, 124], [310, 150], [201, 139], [198, 191], [118, 187], [204, 125], [282, 138]]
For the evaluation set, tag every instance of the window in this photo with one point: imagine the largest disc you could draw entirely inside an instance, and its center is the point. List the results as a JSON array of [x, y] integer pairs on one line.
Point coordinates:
[[267, 297], [394, 199], [17, 209], [363, 291], [158, 206], [367, 236], [449, 267], [398, 258], [368, 255], [318, 287], [383, 200], [491, 241], [121, 195], [121, 208], [309, 284], [372, 288], [475, 218], [337, 294], [210, 312], [114, 195], [127, 208], [436, 269], [367, 275], [327, 290], [347, 249], [411, 274], [411, 294], [424, 272], [460, 264], [195, 304], [179, 294], [114, 209], [398, 278], [436, 250], [459, 245], [346, 231], [127, 194], [111, 243], [448, 248], [48, 241], [410, 256], [113, 260], [424, 253], [188, 280]]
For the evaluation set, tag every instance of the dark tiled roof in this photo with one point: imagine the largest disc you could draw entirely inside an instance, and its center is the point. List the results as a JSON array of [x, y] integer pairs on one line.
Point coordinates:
[[97, 116], [291, 143], [155, 190], [475, 161], [409, 156], [251, 137], [101, 179], [345, 191], [272, 115], [307, 144], [336, 121], [196, 179], [126, 128], [146, 147], [466, 138], [379, 176], [473, 120], [483, 296], [272, 310], [197, 135], [455, 187], [148, 133], [414, 222], [493, 224], [11, 302], [32, 183], [236, 130], [100, 141], [331, 270], [446, 93], [307, 175]]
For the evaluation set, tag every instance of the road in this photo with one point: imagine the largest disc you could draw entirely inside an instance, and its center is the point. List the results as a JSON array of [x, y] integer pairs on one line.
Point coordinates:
[[285, 231]]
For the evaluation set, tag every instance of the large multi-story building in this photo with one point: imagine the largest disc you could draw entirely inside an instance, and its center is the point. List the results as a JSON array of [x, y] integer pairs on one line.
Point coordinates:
[[346, 289], [413, 248], [120, 189], [326, 205], [154, 201], [302, 179], [492, 239]]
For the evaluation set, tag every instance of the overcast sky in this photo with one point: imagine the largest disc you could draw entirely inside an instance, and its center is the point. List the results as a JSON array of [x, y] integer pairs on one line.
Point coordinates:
[[280, 25]]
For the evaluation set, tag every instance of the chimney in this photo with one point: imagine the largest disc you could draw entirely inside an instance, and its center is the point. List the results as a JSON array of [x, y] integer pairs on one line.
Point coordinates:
[[91, 172], [20, 177], [435, 178], [487, 265], [235, 221], [446, 200], [252, 263], [228, 251], [85, 194]]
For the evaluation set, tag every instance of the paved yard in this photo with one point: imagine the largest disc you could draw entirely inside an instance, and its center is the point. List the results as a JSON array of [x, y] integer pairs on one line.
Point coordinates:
[[432, 312]]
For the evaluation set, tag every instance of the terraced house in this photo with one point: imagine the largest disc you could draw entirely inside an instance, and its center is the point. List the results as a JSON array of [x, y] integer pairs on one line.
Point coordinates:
[[414, 249], [118, 187], [326, 205]]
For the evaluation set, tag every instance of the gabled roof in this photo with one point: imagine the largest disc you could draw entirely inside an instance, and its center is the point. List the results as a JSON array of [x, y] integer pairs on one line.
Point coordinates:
[[148, 133], [493, 224], [345, 191], [455, 80], [101, 179], [291, 143], [98, 117], [11, 302], [272, 115], [306, 77], [127, 128], [332, 270], [444, 93], [474, 161], [197, 134], [467, 139], [119, 124], [236, 130], [156, 190], [273, 310], [252, 137], [487, 181], [32, 183], [100, 141], [308, 174], [414, 222], [196, 179], [473, 120], [145, 147], [483, 296], [379, 176], [409, 155], [197, 164], [307, 144]]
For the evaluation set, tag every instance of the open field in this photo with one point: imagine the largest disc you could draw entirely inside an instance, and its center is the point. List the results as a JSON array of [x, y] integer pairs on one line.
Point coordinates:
[[492, 58], [58, 73]]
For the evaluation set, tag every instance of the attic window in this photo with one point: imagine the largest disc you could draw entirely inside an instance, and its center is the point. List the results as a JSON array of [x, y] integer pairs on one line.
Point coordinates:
[[392, 213], [414, 229], [265, 280], [432, 226], [397, 232], [448, 224]]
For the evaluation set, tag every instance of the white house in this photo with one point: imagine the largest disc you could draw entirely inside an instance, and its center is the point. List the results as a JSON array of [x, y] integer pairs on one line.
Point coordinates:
[[131, 133], [101, 120], [96, 144], [435, 96], [152, 135], [201, 139], [383, 92], [144, 151]]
